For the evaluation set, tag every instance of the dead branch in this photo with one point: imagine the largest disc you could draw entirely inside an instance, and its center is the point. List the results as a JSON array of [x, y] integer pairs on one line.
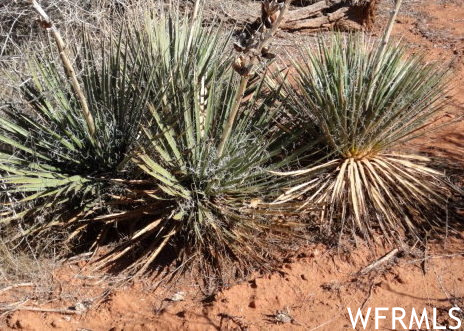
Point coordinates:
[[369, 294], [42, 310], [326, 14], [10, 287], [383, 260]]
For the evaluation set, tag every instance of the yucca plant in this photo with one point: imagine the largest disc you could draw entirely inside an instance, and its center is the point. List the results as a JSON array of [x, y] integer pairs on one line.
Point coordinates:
[[52, 164], [210, 207], [359, 101], [150, 172]]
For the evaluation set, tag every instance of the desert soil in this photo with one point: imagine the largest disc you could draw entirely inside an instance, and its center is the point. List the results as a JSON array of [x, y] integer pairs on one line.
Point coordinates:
[[313, 290]]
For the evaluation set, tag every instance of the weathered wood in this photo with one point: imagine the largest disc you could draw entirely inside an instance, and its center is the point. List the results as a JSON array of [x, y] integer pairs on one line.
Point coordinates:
[[317, 22], [306, 12], [310, 23], [329, 13]]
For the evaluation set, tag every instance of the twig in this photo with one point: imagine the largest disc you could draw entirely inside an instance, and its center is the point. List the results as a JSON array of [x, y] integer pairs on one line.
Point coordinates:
[[424, 262], [8, 35], [43, 310], [70, 73], [433, 257], [79, 257], [380, 261], [12, 307], [10, 287], [325, 323], [369, 294]]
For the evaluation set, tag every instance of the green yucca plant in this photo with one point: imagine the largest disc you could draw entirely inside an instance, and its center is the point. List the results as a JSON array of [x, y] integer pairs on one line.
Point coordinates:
[[210, 208], [358, 101], [51, 164]]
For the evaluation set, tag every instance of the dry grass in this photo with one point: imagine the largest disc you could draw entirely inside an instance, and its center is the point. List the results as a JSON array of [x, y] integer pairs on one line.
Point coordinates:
[[22, 31]]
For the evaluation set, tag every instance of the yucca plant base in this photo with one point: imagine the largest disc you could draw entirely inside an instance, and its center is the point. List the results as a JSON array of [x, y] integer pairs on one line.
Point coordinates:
[[223, 236], [396, 194]]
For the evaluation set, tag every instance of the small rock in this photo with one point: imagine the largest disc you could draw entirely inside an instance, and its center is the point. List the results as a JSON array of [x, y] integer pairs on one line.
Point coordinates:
[[283, 317], [178, 296], [80, 307]]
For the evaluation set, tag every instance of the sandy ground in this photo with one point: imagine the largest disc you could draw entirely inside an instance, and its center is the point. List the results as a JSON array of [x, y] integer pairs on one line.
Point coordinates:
[[313, 290]]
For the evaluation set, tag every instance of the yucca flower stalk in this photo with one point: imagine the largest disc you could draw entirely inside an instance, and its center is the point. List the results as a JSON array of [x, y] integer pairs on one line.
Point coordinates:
[[358, 101]]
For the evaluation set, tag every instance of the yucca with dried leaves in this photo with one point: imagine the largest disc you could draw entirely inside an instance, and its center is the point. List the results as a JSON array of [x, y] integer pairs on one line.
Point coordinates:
[[356, 102], [151, 174], [209, 207]]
